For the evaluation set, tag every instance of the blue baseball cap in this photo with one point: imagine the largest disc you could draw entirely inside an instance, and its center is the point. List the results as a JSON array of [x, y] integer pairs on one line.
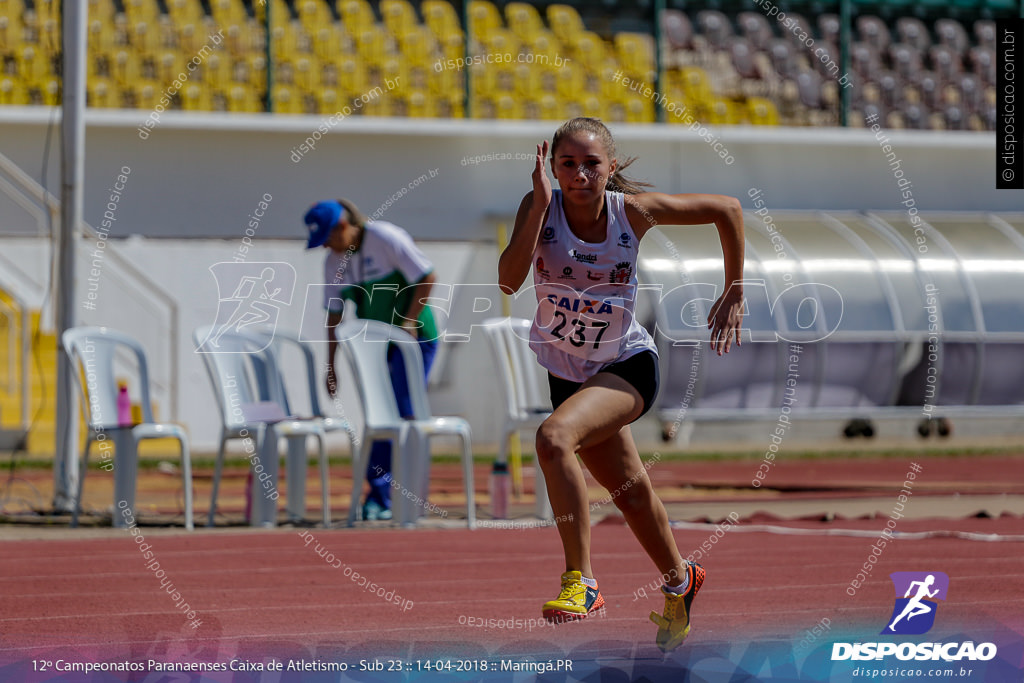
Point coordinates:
[[320, 220]]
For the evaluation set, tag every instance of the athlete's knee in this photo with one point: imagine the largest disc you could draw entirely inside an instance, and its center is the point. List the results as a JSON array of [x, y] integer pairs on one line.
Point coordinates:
[[634, 495], [554, 440]]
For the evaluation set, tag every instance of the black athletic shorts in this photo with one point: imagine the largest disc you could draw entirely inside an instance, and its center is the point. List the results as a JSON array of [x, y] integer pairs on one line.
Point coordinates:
[[640, 370]]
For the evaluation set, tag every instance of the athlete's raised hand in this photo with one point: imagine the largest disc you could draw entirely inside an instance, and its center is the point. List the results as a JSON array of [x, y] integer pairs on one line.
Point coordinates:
[[541, 182], [726, 319]]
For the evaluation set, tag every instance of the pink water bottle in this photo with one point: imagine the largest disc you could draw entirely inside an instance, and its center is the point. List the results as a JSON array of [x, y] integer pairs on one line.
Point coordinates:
[[124, 406], [499, 490]]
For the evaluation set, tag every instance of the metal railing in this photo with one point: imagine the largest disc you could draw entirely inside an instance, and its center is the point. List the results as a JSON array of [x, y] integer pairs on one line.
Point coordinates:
[[29, 194]]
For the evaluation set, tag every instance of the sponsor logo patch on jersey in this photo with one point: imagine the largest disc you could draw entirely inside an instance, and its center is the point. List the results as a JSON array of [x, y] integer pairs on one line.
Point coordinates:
[[567, 274], [624, 240], [583, 258], [541, 269], [548, 234], [621, 273]]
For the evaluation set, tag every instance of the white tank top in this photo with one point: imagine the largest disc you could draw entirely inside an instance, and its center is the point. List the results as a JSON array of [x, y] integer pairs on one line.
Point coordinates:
[[586, 295]]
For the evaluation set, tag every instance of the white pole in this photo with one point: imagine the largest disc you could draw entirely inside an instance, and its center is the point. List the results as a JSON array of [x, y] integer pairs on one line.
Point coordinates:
[[73, 38]]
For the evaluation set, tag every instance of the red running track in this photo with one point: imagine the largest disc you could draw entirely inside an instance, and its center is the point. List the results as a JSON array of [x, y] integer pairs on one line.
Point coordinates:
[[263, 594]]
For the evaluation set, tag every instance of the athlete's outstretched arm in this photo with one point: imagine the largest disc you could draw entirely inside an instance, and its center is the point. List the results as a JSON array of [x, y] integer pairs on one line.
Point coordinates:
[[514, 262], [648, 209]]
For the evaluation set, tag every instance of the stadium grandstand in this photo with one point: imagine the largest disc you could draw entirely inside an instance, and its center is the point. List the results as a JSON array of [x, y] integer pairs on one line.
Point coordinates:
[[917, 65]]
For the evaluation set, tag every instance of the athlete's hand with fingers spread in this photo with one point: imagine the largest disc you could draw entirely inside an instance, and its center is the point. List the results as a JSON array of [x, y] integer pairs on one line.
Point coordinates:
[[726, 319], [541, 182]]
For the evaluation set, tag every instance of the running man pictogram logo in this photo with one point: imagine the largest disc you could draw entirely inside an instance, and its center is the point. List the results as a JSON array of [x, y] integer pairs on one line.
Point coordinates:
[[914, 612], [258, 291]]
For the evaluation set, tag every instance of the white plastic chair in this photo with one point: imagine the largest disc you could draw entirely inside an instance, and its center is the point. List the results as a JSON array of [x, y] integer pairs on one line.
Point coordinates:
[[91, 351], [282, 340], [526, 405], [364, 345], [251, 398]]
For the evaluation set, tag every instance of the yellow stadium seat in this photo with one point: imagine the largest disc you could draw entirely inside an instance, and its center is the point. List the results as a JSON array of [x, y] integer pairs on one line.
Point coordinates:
[[125, 68], [185, 11], [29, 27], [328, 42], [167, 66], [447, 107], [565, 22], [284, 73], [287, 100], [527, 80], [447, 82], [570, 81], [545, 43], [373, 45], [216, 71], [286, 38], [195, 98], [399, 16], [32, 64], [186, 39], [719, 112], [49, 36], [351, 76], [441, 18], [418, 46], [396, 72], [307, 72], [12, 92], [507, 107], [696, 84], [417, 104], [616, 112], [10, 35], [483, 18], [147, 94], [328, 100], [378, 104], [356, 16], [418, 75], [241, 99], [549, 107], [500, 41], [636, 53], [99, 93], [141, 10], [762, 112], [228, 13], [257, 72], [592, 107], [47, 9], [589, 50], [640, 110], [453, 46], [483, 81], [99, 10], [142, 37], [313, 14], [524, 20]]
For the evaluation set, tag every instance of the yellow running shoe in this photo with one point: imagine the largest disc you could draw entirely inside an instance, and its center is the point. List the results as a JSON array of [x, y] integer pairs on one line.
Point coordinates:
[[576, 600], [674, 626]]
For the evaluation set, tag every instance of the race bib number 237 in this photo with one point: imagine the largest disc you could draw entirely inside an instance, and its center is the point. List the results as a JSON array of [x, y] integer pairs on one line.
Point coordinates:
[[586, 325]]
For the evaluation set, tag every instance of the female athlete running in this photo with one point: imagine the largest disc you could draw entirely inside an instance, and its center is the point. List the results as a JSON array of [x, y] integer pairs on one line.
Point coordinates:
[[582, 242]]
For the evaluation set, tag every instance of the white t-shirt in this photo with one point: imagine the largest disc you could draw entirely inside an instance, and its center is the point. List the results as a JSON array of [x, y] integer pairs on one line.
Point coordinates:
[[586, 295]]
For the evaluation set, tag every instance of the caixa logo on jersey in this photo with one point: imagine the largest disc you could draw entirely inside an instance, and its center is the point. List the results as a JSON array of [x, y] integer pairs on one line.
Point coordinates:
[[914, 613]]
